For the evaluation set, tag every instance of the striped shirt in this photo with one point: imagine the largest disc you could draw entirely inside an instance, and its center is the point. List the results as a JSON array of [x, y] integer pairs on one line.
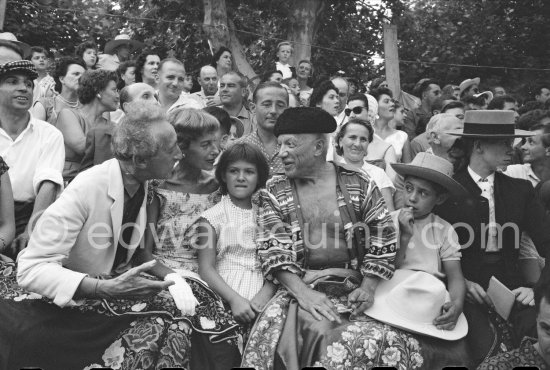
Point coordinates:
[[279, 241]]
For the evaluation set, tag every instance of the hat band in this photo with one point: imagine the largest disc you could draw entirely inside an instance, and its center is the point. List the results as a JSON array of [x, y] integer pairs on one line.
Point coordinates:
[[489, 128]]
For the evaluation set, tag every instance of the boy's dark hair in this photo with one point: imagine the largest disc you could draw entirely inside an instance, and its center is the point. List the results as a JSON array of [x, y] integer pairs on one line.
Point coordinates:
[[223, 118], [439, 190], [39, 49], [242, 152]]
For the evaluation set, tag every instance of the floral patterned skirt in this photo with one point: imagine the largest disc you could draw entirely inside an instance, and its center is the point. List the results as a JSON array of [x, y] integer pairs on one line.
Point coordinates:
[[121, 334], [363, 343]]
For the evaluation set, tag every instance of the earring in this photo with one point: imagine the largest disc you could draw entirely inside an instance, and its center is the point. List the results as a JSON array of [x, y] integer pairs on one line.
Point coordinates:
[[99, 96]]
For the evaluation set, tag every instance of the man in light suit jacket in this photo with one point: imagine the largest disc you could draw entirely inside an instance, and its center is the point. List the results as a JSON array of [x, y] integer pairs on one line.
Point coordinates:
[[99, 220]]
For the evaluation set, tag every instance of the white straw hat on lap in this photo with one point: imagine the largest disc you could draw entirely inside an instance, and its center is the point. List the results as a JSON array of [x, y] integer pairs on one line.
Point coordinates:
[[411, 301]]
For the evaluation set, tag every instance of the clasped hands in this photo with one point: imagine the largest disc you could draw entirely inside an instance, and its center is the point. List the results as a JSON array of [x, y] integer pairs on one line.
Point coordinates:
[[319, 305]]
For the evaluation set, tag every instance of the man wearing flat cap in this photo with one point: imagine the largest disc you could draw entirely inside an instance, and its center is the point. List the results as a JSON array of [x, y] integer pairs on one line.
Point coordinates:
[[33, 149], [491, 222], [321, 221]]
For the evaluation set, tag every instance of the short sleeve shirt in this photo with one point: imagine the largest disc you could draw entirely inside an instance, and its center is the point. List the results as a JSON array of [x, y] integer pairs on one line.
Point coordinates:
[[434, 240]]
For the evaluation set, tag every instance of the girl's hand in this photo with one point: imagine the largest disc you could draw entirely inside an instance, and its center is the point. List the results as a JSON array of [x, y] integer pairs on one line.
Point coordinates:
[[448, 318], [406, 220], [242, 311]]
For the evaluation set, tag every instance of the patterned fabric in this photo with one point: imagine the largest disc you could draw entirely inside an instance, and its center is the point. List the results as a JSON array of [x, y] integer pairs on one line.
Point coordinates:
[[525, 355], [178, 211], [280, 244], [156, 337], [273, 160], [236, 258], [358, 343], [19, 66], [3, 166]]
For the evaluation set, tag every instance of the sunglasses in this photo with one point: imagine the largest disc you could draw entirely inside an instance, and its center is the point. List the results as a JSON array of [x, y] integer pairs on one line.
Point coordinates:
[[356, 110]]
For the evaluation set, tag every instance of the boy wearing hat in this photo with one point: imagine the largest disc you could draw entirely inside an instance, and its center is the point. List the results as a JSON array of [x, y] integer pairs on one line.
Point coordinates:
[[498, 209], [427, 242]]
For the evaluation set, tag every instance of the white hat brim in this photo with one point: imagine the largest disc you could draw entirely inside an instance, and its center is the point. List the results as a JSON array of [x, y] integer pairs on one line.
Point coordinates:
[[382, 311]]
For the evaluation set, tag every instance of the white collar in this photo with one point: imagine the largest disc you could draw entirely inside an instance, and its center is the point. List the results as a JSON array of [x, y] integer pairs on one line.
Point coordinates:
[[476, 177]]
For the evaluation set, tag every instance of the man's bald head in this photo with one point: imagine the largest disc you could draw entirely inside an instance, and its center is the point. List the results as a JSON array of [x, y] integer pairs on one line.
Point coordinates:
[[343, 91], [208, 79], [137, 91]]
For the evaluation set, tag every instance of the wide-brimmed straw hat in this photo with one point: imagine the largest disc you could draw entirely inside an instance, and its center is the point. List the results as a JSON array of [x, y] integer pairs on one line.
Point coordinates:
[[8, 36], [122, 39], [432, 168], [490, 124], [22, 66], [469, 82], [411, 300]]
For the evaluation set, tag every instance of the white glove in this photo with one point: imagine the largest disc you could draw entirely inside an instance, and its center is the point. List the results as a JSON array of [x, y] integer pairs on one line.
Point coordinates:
[[182, 294]]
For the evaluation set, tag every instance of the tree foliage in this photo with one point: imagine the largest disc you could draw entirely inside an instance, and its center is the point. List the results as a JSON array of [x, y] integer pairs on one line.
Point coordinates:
[[510, 33], [175, 27]]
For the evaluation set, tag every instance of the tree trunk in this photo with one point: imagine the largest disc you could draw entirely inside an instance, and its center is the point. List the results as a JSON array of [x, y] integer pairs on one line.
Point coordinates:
[[305, 15], [221, 32]]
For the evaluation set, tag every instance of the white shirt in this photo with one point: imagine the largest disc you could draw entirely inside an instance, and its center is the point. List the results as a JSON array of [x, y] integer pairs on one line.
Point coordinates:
[[378, 175], [285, 69], [522, 171], [487, 191], [36, 155], [185, 101]]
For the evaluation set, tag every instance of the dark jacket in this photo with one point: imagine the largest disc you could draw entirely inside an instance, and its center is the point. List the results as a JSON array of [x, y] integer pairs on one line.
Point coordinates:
[[515, 204]]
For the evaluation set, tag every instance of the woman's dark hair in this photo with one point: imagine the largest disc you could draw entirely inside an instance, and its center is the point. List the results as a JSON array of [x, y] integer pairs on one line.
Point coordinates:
[[451, 105], [93, 82], [360, 97], [342, 132], [140, 62], [242, 152], [377, 93], [218, 54], [80, 49], [62, 67], [319, 92], [268, 75], [531, 118], [121, 70]]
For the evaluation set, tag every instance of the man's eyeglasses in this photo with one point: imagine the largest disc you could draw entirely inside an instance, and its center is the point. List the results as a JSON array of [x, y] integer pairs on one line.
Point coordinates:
[[355, 110]]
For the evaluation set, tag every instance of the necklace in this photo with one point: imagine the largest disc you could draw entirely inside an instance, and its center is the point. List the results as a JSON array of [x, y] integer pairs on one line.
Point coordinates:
[[67, 102]]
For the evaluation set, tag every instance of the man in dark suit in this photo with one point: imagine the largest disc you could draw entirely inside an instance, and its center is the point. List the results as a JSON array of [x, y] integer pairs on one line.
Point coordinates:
[[490, 222]]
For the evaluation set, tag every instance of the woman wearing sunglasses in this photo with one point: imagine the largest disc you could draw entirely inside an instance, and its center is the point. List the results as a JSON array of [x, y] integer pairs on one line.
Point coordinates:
[[380, 153]]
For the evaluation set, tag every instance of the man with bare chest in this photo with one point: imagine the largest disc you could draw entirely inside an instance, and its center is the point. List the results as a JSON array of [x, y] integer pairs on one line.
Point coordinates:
[[319, 223]]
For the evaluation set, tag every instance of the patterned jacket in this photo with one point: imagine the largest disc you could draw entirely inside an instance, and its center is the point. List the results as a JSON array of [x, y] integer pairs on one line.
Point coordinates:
[[279, 241]]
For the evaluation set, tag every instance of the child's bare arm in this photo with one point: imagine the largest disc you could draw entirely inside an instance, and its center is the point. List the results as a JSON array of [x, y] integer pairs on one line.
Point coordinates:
[[456, 285], [206, 249], [261, 298]]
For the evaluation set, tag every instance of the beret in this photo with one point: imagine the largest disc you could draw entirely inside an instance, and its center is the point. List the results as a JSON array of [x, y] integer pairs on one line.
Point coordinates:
[[22, 66], [304, 120]]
